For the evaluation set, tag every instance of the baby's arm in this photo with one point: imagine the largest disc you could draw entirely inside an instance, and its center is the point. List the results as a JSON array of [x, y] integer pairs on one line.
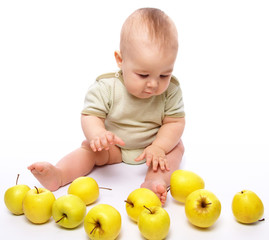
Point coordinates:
[[167, 138], [96, 133], [170, 133]]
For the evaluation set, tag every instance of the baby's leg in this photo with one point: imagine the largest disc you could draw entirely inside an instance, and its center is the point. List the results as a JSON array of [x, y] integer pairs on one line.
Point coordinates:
[[160, 180], [78, 163]]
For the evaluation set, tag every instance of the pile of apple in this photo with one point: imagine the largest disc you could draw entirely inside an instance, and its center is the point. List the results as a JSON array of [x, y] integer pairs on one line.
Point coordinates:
[[103, 221], [145, 208], [203, 208], [68, 211]]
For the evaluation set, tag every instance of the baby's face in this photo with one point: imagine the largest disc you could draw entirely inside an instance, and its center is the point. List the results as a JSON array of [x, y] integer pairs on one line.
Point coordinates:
[[147, 69]]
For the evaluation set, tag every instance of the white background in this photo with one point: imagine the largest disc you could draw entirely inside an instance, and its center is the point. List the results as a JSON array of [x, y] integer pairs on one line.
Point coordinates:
[[51, 51]]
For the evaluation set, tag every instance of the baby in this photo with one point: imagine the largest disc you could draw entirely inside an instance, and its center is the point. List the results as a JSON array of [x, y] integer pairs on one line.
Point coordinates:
[[135, 115]]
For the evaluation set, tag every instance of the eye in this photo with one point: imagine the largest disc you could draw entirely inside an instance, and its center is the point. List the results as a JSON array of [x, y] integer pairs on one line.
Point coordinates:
[[143, 75], [164, 76]]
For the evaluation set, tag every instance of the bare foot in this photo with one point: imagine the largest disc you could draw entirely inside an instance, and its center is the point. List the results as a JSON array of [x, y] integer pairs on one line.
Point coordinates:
[[47, 174], [158, 187]]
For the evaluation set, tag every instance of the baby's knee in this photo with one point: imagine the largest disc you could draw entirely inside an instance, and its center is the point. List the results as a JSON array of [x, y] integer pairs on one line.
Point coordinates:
[[99, 158], [85, 144], [180, 147]]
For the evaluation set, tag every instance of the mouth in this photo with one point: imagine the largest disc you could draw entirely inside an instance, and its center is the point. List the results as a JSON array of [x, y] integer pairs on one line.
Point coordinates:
[[148, 92]]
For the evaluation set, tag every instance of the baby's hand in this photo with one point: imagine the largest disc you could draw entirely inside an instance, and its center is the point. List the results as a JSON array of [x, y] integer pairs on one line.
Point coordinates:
[[156, 156], [104, 140]]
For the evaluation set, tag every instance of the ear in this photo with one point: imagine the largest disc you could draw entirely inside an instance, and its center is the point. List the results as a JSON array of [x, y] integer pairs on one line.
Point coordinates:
[[118, 58]]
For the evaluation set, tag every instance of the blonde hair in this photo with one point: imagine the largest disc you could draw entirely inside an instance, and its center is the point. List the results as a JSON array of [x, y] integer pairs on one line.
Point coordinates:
[[155, 23]]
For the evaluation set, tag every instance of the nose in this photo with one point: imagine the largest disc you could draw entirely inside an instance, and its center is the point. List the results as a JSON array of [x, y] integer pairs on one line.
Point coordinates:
[[152, 83]]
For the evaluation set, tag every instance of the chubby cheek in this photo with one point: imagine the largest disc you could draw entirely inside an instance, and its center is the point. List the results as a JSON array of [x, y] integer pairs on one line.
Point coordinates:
[[133, 84], [165, 85], [162, 87], [134, 87]]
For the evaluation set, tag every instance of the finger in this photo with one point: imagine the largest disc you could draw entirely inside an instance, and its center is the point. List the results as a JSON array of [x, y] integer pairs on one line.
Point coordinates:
[[155, 164], [140, 157], [104, 143], [110, 138], [148, 159], [162, 164], [93, 147], [119, 141], [167, 165], [97, 144]]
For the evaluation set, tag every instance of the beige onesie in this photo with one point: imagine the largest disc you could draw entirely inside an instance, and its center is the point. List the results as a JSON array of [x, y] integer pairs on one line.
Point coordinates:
[[136, 121]]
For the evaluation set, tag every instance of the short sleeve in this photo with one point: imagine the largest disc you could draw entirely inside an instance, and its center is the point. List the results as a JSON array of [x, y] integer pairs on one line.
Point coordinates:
[[174, 106], [97, 100]]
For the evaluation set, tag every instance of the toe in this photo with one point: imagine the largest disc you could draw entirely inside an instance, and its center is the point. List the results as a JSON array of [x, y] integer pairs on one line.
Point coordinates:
[[161, 190]]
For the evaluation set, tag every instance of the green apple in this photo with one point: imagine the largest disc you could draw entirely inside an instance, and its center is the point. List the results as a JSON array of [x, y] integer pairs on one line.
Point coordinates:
[[102, 222], [14, 196], [138, 199], [37, 205], [68, 211], [154, 223], [183, 182], [247, 207], [202, 208], [86, 188]]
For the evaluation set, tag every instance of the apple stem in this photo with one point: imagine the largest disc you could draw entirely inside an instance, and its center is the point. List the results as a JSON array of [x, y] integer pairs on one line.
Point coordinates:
[[17, 179], [105, 188], [263, 219], [129, 203], [204, 204], [93, 229], [148, 209], [64, 216], [37, 190], [97, 225]]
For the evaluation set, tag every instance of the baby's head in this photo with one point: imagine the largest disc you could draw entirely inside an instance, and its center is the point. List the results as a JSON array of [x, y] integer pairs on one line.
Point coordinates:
[[148, 25], [148, 50]]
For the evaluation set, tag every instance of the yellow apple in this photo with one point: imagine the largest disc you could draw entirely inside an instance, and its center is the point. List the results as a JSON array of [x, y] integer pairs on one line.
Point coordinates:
[[247, 207], [154, 223], [102, 222], [202, 208], [138, 199], [86, 188], [37, 205], [183, 182], [14, 196], [68, 211]]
